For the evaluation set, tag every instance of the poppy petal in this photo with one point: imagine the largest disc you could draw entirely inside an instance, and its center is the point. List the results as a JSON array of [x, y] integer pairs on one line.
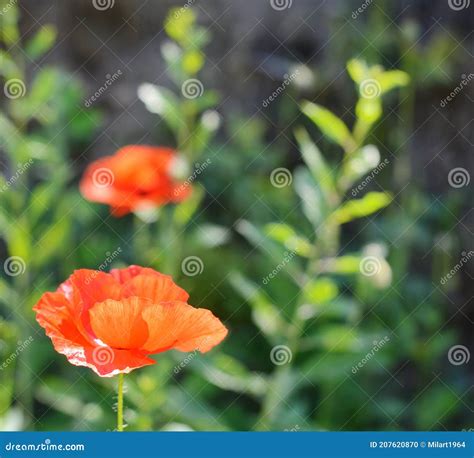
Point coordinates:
[[125, 275], [108, 362], [119, 324], [158, 288], [179, 325]]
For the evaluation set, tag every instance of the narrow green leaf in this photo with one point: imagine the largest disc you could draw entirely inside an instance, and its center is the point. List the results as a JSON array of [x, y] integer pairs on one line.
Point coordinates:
[[330, 125], [358, 208]]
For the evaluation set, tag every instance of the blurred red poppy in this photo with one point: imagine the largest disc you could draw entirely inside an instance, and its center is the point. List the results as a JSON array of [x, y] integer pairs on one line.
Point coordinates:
[[112, 322], [136, 177]]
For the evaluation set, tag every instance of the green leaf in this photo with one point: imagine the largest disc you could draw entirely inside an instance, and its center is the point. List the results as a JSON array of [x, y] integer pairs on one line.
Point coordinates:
[[330, 125], [359, 164], [392, 79], [162, 101], [52, 240], [320, 291], [287, 236], [8, 67], [186, 209], [357, 70], [264, 314], [343, 265], [313, 202], [316, 163], [358, 208], [178, 24], [41, 43], [369, 110], [192, 62], [262, 242]]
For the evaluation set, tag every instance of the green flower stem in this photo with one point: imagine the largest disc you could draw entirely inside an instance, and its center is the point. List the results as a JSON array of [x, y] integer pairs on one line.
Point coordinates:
[[120, 403]]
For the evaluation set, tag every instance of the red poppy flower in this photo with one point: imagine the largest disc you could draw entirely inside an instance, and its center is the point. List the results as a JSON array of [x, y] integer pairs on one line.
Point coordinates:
[[112, 322], [136, 177]]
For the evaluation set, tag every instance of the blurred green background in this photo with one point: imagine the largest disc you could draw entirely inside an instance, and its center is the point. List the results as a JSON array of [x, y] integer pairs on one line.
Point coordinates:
[[330, 227]]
